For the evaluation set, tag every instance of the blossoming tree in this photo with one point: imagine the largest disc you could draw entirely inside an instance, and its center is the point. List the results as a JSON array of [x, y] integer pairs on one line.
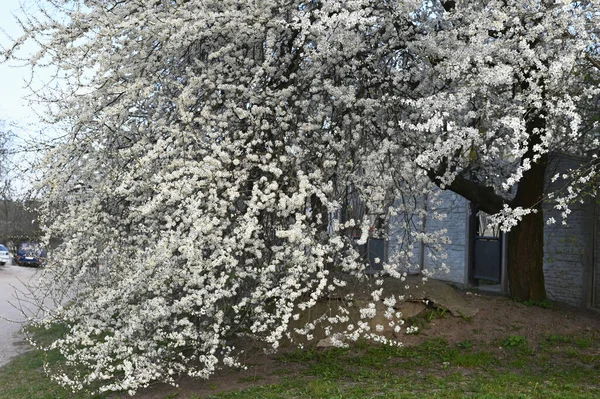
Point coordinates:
[[511, 77], [216, 148]]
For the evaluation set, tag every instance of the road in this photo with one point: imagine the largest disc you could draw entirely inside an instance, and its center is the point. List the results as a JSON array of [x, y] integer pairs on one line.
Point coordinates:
[[12, 278]]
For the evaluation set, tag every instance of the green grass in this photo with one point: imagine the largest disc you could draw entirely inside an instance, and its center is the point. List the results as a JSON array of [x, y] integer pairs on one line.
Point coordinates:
[[515, 341], [545, 304], [252, 378], [423, 320], [584, 342], [558, 339], [558, 366], [466, 344], [437, 369], [500, 385], [24, 377]]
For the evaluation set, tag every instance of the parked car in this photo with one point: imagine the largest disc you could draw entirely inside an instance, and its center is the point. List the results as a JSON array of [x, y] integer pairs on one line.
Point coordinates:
[[4, 255], [30, 254]]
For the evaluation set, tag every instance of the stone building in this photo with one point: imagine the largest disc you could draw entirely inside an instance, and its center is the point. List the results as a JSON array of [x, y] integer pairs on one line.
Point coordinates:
[[476, 256]]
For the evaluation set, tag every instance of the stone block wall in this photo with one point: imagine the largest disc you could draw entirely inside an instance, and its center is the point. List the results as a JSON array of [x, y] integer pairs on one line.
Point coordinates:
[[399, 239], [456, 209], [571, 257], [567, 248], [18, 220]]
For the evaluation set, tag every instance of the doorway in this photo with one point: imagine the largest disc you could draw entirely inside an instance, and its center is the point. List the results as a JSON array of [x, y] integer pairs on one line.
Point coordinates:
[[486, 254]]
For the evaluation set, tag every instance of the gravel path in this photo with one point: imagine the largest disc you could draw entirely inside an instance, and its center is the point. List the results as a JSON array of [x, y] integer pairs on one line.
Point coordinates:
[[12, 278]]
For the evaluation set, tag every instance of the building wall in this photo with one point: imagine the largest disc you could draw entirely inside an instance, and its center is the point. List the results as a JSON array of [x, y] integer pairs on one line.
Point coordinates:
[[398, 252], [564, 257], [571, 257], [567, 248], [456, 209]]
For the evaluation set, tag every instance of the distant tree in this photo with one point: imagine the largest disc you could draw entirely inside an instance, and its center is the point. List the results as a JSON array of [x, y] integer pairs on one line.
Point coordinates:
[[6, 138], [219, 152]]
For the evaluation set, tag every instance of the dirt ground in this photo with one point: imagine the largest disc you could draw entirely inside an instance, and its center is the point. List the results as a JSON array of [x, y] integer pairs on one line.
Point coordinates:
[[498, 318]]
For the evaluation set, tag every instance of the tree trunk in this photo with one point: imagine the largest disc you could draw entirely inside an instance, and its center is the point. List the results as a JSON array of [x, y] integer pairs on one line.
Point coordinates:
[[525, 260]]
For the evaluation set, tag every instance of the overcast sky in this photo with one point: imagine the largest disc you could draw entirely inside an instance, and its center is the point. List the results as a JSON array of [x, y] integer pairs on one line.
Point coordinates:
[[16, 113], [13, 106]]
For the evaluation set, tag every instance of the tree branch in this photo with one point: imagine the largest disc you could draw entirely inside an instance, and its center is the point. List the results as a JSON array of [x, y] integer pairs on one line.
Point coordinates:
[[484, 197], [594, 62]]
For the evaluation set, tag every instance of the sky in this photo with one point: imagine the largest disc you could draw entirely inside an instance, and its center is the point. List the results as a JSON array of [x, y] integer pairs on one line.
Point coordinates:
[[17, 114], [13, 107]]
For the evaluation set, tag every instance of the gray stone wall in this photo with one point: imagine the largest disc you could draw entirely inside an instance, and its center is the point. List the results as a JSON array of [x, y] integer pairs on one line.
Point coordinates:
[[564, 255], [567, 248], [456, 209], [398, 241]]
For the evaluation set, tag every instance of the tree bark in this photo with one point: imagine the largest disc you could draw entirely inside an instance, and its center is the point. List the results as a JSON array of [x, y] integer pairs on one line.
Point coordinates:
[[525, 258]]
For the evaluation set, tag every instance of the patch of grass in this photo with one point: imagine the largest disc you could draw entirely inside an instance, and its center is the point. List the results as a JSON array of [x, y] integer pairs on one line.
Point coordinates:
[[386, 351], [378, 357], [466, 318], [302, 355], [322, 363], [24, 377], [515, 341], [474, 359], [518, 363], [556, 339], [489, 384], [330, 369], [584, 342], [282, 371], [544, 304], [515, 327], [466, 344], [361, 344], [572, 353], [252, 378], [438, 349], [423, 319], [434, 314], [433, 369], [591, 359], [298, 356]]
